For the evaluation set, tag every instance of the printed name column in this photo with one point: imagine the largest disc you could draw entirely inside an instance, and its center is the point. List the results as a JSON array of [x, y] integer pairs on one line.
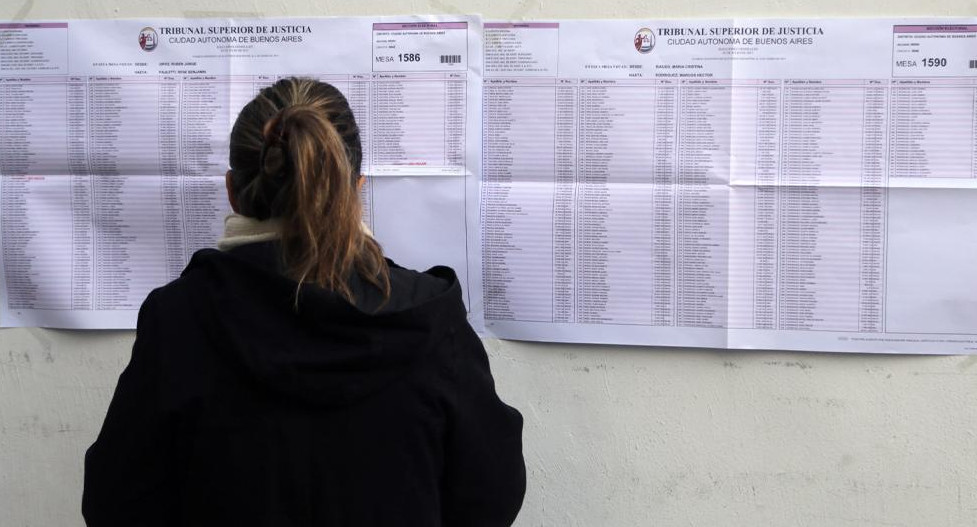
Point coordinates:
[[36, 208], [517, 174], [206, 119], [701, 204], [614, 216], [205, 124], [820, 204], [124, 152], [932, 133], [408, 114]]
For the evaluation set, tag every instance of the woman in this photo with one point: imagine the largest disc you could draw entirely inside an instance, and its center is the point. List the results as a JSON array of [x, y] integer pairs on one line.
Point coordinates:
[[296, 377]]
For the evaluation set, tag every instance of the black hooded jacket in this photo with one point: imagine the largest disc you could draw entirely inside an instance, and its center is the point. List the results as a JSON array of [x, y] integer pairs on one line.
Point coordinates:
[[237, 408]]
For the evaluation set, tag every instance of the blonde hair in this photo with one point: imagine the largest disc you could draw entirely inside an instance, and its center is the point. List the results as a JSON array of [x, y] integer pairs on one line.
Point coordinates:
[[295, 154]]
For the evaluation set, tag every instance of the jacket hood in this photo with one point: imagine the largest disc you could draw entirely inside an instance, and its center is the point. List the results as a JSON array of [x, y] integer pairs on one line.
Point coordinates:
[[324, 350]]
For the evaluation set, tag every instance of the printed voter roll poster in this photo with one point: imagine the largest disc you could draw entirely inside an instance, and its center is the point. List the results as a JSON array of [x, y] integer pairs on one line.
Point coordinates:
[[778, 184], [802, 184], [114, 137]]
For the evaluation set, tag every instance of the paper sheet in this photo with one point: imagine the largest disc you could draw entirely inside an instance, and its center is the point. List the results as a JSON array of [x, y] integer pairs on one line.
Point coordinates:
[[113, 146], [780, 184], [788, 184]]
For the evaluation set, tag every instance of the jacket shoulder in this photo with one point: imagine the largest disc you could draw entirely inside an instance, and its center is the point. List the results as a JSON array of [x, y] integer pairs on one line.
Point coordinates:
[[178, 293]]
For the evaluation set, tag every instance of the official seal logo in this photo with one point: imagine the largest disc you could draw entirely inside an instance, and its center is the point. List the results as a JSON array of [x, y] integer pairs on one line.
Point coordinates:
[[644, 40], [148, 39]]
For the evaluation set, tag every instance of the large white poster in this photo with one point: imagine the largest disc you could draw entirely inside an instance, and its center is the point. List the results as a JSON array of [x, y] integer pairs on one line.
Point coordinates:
[[113, 146], [782, 184], [748, 183]]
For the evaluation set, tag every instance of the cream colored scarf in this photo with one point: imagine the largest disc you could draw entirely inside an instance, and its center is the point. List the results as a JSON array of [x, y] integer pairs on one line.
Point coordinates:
[[240, 230]]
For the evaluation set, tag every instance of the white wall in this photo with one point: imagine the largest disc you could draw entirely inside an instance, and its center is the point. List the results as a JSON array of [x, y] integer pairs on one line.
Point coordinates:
[[614, 436]]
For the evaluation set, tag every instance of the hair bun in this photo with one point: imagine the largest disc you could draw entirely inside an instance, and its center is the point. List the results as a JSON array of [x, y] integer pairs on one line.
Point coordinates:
[[272, 158]]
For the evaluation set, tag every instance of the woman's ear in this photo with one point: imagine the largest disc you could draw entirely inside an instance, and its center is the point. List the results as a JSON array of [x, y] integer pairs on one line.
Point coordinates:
[[231, 198], [359, 182]]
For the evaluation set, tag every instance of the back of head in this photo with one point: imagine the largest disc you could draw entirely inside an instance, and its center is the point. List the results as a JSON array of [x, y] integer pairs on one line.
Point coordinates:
[[295, 155]]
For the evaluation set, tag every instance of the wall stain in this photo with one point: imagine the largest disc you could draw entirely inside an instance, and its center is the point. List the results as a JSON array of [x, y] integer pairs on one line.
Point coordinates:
[[41, 338], [829, 402], [21, 14], [24, 9], [523, 9], [833, 520], [16, 357], [67, 428], [944, 373], [222, 14], [444, 7], [789, 364]]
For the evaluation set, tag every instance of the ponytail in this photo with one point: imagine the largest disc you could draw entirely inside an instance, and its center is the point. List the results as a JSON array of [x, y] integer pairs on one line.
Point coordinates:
[[304, 144]]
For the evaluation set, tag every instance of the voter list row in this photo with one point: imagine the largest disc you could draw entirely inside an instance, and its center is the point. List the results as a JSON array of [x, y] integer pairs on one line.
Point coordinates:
[[179, 125], [102, 243], [757, 205]]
